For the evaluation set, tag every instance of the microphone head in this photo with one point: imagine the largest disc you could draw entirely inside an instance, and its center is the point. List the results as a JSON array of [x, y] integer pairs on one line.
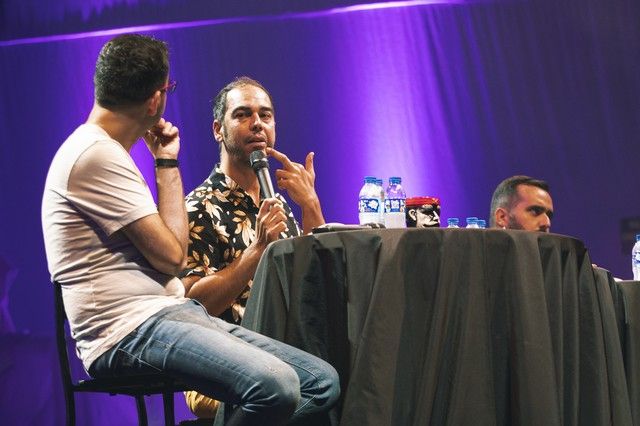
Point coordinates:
[[258, 160]]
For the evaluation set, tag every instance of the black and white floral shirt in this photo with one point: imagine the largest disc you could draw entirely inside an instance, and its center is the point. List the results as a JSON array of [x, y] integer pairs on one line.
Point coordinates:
[[222, 220]]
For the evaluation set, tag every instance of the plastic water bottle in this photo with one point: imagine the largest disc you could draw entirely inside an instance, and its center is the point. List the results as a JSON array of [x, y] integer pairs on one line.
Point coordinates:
[[635, 259], [369, 204], [472, 222], [379, 184], [453, 222], [482, 224], [394, 204]]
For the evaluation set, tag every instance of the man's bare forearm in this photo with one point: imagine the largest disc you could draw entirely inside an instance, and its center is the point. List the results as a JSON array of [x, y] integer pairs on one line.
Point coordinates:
[[312, 216], [171, 204], [219, 290]]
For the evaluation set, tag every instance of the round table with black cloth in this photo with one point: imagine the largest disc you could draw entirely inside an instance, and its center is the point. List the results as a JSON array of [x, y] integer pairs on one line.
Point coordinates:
[[454, 326]]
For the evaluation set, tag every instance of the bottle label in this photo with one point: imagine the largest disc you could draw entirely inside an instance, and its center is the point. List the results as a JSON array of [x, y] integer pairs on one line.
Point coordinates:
[[394, 205], [369, 205]]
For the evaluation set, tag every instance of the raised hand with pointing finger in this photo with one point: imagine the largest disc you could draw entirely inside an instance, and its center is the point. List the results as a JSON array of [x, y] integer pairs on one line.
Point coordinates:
[[299, 182]]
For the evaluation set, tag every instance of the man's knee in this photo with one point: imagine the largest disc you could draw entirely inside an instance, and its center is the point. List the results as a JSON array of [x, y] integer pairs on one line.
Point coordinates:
[[277, 392], [332, 386], [284, 386]]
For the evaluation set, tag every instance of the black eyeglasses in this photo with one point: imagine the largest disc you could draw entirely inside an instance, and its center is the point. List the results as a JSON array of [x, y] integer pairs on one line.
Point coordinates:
[[169, 87]]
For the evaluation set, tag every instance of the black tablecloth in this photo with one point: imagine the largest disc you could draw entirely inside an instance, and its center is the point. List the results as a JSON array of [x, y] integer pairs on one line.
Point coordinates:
[[627, 301], [452, 326]]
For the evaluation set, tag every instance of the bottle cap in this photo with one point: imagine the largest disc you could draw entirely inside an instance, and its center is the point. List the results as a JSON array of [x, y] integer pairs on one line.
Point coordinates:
[[369, 179], [395, 179], [637, 237]]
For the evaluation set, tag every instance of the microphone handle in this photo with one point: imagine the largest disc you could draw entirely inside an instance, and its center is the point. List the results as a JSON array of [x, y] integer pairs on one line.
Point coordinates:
[[265, 183]]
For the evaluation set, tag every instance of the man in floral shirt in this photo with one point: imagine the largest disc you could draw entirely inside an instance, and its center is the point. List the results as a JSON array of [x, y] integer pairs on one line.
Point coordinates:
[[225, 243], [222, 219]]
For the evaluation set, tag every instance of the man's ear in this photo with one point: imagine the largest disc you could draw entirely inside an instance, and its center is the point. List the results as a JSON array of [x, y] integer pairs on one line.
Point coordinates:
[[153, 103], [217, 130], [501, 217]]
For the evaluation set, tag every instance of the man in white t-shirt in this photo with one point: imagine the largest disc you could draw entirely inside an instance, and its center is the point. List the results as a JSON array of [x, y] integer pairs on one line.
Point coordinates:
[[116, 255]]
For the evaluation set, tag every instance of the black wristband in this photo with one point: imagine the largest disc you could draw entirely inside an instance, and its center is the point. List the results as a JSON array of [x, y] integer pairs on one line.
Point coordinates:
[[166, 162]]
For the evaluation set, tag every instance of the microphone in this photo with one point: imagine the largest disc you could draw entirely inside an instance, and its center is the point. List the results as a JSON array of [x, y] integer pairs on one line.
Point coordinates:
[[260, 166]]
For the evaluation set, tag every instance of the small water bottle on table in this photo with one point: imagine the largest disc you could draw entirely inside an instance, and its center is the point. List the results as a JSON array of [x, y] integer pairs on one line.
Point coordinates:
[[635, 259], [369, 203], [472, 222]]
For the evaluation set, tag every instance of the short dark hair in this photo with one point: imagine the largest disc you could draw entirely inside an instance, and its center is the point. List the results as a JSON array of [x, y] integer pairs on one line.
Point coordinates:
[[220, 101], [129, 69], [506, 192]]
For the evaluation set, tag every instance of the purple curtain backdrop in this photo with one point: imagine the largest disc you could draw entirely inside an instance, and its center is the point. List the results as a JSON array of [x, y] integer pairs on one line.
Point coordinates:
[[451, 96]]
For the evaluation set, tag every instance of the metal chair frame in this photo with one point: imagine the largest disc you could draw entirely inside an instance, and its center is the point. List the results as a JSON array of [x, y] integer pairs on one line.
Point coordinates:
[[136, 386]]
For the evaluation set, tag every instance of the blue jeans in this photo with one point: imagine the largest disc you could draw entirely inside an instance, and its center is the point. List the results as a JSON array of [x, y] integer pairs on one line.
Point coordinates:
[[268, 381]]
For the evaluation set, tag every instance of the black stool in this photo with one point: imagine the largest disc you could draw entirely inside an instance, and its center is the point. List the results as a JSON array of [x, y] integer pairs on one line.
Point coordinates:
[[135, 386]]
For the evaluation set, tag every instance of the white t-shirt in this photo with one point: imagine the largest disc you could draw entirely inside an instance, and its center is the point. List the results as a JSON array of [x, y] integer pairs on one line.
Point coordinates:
[[93, 189]]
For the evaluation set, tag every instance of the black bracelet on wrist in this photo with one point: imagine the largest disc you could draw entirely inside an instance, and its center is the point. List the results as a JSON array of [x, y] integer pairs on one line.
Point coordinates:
[[166, 162]]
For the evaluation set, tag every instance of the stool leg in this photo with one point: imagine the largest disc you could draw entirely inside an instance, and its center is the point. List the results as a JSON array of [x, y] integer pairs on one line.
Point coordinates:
[[142, 410], [169, 416], [69, 398]]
